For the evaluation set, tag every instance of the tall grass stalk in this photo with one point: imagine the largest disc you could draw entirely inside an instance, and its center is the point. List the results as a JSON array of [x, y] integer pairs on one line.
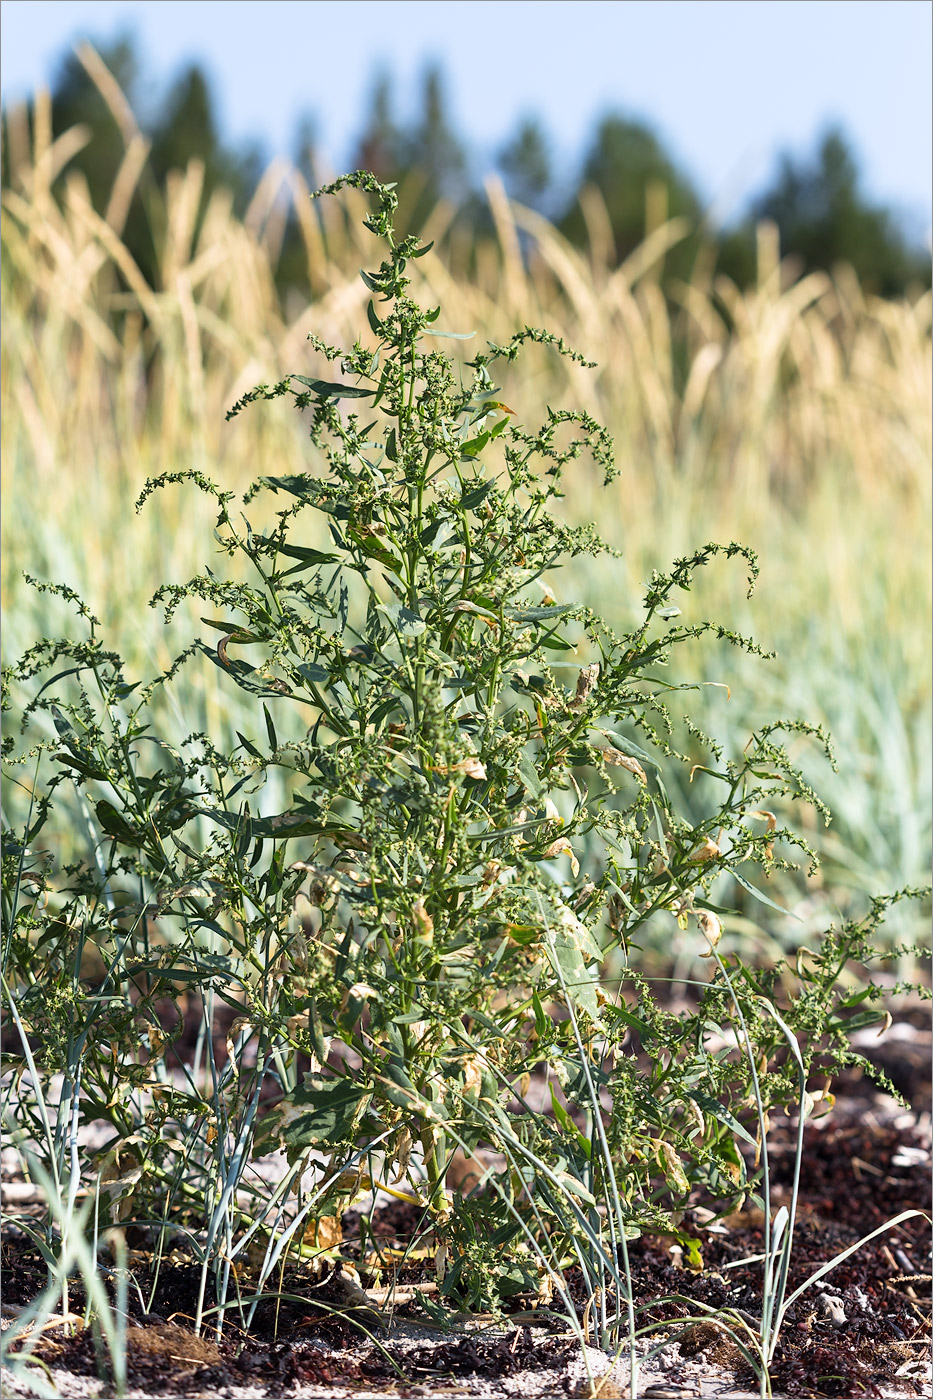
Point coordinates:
[[64, 1243], [779, 1228]]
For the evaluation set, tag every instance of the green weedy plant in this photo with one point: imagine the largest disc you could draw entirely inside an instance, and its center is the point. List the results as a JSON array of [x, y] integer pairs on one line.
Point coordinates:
[[403, 945]]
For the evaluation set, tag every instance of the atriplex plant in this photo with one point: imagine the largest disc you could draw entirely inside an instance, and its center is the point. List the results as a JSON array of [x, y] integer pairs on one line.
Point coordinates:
[[414, 936]]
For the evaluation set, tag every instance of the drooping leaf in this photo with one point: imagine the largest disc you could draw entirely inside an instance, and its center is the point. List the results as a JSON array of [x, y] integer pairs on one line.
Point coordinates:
[[761, 897], [320, 1112], [475, 496], [246, 676], [530, 777], [279, 828], [302, 486], [116, 826], [630, 747], [326, 390], [313, 673], [234, 632], [270, 729], [538, 614], [571, 945], [62, 725], [405, 620], [307, 556], [714, 1109]]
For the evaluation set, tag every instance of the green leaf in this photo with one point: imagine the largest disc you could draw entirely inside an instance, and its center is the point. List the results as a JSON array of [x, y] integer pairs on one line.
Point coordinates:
[[570, 944], [464, 605], [62, 725], [88, 769], [240, 672], [635, 1023], [494, 1029], [377, 326], [857, 998], [302, 486], [115, 826], [437, 534], [573, 1186], [714, 1109], [629, 747], [451, 335], [763, 897], [233, 630], [561, 1114], [524, 934], [538, 614], [322, 1111], [373, 283], [192, 976], [370, 545], [316, 1031], [405, 620], [326, 390], [474, 447], [280, 828], [314, 674], [530, 777], [409, 1018], [542, 1024], [270, 729], [476, 495], [307, 556]]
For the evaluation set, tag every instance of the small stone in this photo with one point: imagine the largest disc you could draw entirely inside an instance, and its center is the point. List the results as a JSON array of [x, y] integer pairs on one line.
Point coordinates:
[[829, 1309]]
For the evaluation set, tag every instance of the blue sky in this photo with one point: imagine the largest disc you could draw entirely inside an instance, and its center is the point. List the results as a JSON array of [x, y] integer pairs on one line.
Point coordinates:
[[728, 83]]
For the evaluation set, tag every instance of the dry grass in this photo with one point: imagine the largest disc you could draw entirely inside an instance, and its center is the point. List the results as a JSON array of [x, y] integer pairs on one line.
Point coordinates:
[[794, 416]]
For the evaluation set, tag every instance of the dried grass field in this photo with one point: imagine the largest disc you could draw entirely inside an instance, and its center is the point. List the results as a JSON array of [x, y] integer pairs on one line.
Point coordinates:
[[794, 417]]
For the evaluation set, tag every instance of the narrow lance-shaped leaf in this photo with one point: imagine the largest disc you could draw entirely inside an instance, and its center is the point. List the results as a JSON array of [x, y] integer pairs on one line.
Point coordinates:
[[325, 390]]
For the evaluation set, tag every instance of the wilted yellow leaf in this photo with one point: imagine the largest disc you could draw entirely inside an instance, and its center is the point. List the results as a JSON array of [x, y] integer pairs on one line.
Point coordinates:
[[326, 1233], [708, 851], [402, 1155], [563, 847], [423, 923], [241, 1024], [360, 991], [473, 1074], [622, 760], [471, 767], [771, 820], [818, 1099], [586, 684], [710, 926], [670, 1164]]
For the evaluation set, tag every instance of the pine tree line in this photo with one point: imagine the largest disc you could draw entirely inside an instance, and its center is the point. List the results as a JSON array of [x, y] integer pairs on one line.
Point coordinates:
[[817, 202]]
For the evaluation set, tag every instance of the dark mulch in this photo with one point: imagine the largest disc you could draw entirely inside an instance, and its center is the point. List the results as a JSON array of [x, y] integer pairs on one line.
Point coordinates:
[[857, 1172]]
